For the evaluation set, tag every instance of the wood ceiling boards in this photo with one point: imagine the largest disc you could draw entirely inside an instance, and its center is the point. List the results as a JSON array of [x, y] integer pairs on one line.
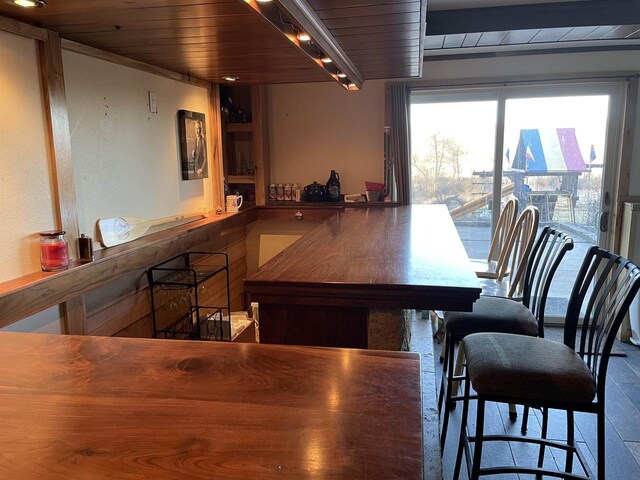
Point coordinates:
[[209, 39], [383, 38]]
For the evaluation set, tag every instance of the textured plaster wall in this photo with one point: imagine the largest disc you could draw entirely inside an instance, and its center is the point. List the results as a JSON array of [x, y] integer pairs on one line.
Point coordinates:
[[25, 191], [317, 127], [126, 159]]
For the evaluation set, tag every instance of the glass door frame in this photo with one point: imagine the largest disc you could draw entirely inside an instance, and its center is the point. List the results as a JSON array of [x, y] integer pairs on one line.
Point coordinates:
[[616, 89]]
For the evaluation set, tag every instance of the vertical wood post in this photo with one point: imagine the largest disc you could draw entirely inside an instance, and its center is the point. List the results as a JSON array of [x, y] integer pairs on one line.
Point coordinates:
[[59, 139], [217, 175], [260, 120]]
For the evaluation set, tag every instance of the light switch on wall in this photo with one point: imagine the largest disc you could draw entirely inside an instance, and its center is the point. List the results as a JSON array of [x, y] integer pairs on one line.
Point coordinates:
[[153, 106]]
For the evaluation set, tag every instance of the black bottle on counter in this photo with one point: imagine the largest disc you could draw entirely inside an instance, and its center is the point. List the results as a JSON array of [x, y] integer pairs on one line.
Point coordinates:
[[333, 187]]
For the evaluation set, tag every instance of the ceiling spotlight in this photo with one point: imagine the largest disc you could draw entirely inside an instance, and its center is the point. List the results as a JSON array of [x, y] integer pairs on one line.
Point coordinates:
[[342, 75], [230, 78], [326, 60], [304, 37], [29, 3], [352, 85]]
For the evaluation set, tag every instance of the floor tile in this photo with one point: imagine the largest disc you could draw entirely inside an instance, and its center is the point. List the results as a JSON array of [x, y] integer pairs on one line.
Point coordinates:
[[634, 448]]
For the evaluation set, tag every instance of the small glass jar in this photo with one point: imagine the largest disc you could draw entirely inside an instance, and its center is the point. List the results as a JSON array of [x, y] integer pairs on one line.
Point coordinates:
[[54, 251]]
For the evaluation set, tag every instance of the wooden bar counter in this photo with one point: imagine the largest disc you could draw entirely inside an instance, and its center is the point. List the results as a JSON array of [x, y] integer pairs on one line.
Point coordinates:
[[87, 408], [319, 291]]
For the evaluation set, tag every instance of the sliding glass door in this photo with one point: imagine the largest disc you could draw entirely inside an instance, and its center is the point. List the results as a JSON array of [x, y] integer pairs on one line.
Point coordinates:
[[554, 148], [452, 161]]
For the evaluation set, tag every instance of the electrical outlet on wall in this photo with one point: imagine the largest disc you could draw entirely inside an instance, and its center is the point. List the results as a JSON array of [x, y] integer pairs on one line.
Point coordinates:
[[153, 105]]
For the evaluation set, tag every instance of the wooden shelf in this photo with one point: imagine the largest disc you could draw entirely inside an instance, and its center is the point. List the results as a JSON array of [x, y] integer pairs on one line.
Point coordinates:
[[323, 205], [250, 179], [238, 127], [37, 291]]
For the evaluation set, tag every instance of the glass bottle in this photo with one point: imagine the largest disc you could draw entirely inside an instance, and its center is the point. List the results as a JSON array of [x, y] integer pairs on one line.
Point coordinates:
[[333, 187], [54, 251]]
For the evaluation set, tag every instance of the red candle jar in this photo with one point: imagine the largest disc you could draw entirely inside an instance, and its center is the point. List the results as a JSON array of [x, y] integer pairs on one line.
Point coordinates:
[[54, 251]]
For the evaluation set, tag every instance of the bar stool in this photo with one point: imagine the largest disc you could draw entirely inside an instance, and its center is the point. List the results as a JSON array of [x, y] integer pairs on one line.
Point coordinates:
[[499, 314], [536, 372], [497, 260], [495, 266]]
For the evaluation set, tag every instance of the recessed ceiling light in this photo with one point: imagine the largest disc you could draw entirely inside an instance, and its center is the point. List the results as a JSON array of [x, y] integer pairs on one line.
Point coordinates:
[[29, 3], [304, 37], [230, 78], [342, 75], [326, 60], [352, 85]]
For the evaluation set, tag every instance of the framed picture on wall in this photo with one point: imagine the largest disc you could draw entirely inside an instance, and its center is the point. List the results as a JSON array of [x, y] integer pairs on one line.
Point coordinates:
[[193, 145]]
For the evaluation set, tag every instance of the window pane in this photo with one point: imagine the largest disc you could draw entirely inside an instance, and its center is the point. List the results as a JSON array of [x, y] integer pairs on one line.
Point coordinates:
[[452, 159]]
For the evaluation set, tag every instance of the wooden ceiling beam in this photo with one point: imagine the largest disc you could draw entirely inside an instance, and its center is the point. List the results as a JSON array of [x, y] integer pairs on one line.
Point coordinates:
[[533, 16]]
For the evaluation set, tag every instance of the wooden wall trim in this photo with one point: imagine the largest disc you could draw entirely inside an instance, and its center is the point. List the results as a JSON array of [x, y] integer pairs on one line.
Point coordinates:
[[59, 139], [260, 118], [55, 101], [215, 123], [23, 29], [131, 63], [38, 291]]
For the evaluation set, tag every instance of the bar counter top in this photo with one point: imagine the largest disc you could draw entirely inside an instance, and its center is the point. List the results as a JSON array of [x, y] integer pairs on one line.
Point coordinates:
[[394, 257], [87, 408]]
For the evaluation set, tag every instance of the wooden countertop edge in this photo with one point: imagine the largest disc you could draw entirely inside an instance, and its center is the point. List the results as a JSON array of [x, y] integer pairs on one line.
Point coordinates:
[[32, 293], [360, 295], [325, 205]]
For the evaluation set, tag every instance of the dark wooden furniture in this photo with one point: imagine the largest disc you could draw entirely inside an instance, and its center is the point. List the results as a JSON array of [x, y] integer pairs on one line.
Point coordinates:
[[320, 289], [99, 407]]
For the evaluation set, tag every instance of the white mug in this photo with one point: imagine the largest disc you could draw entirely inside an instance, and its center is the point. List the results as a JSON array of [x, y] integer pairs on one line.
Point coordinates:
[[234, 202]]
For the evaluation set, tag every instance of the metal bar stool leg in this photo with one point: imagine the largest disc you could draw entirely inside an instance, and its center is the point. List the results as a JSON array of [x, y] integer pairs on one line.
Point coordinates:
[[568, 465], [458, 371], [443, 378], [543, 435], [448, 394], [525, 420], [601, 442], [463, 427], [477, 451]]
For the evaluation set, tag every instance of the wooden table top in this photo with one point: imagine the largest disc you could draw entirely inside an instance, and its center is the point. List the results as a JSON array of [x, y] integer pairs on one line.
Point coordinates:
[[400, 257], [115, 408]]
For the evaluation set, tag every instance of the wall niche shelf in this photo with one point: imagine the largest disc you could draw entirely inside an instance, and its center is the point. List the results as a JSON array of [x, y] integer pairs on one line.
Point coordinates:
[[179, 294], [239, 127], [245, 142]]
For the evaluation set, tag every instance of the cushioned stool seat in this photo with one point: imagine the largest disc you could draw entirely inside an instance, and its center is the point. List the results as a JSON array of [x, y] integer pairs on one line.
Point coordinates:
[[520, 367], [492, 314]]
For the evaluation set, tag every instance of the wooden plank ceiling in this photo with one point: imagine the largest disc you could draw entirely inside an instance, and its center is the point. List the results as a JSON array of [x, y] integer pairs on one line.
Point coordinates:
[[209, 39], [382, 37]]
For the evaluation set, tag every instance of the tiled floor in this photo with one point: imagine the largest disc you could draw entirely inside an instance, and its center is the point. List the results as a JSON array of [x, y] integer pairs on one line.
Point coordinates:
[[622, 429]]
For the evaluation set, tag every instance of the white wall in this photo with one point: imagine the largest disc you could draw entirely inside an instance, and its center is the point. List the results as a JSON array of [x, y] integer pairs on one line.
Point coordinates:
[[319, 127], [26, 205], [126, 159]]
